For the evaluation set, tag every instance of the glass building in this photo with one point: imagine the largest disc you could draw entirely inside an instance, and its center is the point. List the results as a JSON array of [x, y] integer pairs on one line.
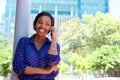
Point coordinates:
[[9, 20], [92, 6], [55, 7], [62, 10]]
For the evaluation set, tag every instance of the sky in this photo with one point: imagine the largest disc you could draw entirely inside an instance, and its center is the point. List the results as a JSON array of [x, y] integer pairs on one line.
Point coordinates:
[[114, 6]]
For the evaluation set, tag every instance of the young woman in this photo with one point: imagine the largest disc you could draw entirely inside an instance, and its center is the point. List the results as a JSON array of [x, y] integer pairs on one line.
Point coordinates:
[[37, 57]]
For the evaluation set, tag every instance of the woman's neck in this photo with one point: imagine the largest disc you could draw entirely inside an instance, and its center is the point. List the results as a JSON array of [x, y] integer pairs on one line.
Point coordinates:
[[39, 39]]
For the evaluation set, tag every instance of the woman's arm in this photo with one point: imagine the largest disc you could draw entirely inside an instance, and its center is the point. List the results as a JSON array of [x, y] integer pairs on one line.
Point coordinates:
[[33, 70], [54, 50], [20, 66], [53, 47]]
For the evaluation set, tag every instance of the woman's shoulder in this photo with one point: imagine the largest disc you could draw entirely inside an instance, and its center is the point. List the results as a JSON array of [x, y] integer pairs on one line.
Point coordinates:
[[24, 38]]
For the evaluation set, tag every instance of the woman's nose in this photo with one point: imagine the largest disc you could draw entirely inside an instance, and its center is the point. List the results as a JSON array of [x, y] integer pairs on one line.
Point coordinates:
[[41, 25]]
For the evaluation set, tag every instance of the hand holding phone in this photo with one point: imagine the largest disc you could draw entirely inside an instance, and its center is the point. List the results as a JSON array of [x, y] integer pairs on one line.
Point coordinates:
[[53, 32]]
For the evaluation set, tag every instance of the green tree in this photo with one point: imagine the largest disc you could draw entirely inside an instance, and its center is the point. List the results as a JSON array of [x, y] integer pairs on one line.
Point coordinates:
[[106, 58], [63, 67], [81, 38], [72, 36], [5, 57], [103, 30]]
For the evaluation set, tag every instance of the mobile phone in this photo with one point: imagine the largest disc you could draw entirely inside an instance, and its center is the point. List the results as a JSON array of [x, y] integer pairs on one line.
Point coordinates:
[[51, 33]]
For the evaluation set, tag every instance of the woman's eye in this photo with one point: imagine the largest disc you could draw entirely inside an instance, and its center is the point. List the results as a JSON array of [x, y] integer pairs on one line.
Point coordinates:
[[39, 22], [47, 24]]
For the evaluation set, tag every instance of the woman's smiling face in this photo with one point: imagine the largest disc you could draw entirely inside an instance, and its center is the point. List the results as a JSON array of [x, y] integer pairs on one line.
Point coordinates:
[[43, 25]]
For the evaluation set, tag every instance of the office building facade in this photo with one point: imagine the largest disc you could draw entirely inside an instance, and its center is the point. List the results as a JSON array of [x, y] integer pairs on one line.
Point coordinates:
[[92, 6], [62, 10]]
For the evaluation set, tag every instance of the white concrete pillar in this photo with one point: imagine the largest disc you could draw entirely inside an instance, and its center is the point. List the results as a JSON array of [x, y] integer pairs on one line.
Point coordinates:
[[22, 20]]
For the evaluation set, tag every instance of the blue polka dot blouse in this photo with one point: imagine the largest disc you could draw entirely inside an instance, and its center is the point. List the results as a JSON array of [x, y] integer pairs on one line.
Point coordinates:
[[26, 54]]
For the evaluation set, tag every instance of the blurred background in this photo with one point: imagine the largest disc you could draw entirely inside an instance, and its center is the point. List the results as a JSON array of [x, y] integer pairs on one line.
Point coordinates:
[[89, 35]]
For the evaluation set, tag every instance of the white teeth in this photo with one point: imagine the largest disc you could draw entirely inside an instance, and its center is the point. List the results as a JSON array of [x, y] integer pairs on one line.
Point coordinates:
[[41, 30]]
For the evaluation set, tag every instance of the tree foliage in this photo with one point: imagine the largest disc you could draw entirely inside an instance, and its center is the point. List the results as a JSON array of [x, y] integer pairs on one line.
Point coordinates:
[[71, 36], [106, 57], [5, 57], [86, 39], [103, 30]]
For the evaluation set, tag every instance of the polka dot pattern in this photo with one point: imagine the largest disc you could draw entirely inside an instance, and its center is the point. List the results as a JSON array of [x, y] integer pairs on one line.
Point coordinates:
[[26, 54]]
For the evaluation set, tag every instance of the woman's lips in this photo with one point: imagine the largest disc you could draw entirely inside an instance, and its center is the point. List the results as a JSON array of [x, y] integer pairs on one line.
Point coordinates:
[[41, 30]]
